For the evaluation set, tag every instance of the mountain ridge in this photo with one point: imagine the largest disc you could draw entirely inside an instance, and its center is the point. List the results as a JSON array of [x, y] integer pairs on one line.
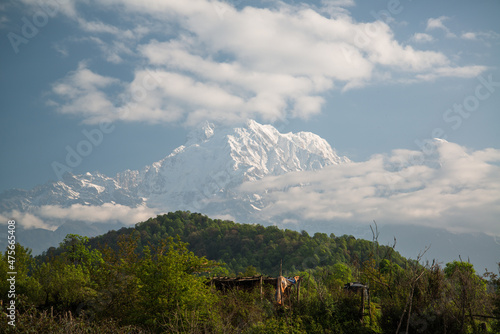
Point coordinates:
[[242, 245], [240, 174], [213, 162]]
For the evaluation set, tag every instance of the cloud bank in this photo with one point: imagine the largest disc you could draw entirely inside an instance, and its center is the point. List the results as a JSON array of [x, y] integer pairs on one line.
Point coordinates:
[[448, 187], [205, 59], [50, 217]]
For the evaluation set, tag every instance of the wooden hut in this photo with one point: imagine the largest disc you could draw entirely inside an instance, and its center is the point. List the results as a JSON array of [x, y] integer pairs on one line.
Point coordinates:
[[283, 285]]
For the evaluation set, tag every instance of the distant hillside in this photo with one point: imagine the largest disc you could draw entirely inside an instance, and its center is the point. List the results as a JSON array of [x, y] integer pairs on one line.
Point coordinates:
[[244, 245]]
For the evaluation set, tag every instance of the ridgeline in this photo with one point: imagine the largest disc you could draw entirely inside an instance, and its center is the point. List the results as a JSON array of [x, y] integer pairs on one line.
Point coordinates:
[[240, 246]]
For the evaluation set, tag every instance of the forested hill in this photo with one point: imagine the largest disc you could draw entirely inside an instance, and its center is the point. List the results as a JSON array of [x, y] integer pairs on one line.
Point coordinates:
[[142, 280], [243, 246]]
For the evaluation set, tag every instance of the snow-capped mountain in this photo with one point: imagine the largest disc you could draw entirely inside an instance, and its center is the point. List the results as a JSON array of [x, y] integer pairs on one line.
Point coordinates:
[[214, 162], [255, 174], [85, 189], [203, 175]]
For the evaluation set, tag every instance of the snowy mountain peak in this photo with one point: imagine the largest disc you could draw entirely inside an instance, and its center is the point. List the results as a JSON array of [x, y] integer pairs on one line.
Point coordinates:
[[215, 161], [204, 175], [198, 135], [277, 153]]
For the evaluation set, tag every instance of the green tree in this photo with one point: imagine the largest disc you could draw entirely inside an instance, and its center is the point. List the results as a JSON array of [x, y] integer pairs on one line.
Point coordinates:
[[467, 291], [65, 286], [170, 287], [495, 282], [342, 272], [119, 290], [71, 279], [250, 271]]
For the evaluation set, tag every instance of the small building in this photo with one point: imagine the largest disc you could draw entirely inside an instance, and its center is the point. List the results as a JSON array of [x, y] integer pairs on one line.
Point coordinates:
[[246, 283], [282, 285]]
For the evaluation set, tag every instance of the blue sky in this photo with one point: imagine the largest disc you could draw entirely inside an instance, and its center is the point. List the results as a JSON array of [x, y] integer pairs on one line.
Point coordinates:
[[369, 77]]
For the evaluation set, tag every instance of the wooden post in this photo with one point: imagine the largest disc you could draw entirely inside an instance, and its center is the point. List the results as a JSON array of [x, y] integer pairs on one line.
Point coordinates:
[[369, 304], [279, 297], [278, 290], [261, 288], [298, 290], [307, 291], [362, 309]]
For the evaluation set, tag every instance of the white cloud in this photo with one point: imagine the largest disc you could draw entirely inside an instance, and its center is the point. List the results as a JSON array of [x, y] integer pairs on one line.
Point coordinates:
[[484, 36], [81, 92], [54, 7], [339, 3], [114, 51], [438, 24], [457, 72], [61, 49], [226, 64], [451, 188], [27, 220], [336, 8], [99, 27], [104, 213], [469, 35], [49, 217], [422, 38]]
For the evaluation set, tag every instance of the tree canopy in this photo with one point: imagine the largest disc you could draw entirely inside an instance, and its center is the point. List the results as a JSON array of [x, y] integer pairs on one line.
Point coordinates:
[[154, 278]]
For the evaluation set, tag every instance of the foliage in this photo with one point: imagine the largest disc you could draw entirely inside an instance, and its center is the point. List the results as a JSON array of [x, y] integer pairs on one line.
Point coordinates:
[[154, 279], [244, 245], [168, 286]]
